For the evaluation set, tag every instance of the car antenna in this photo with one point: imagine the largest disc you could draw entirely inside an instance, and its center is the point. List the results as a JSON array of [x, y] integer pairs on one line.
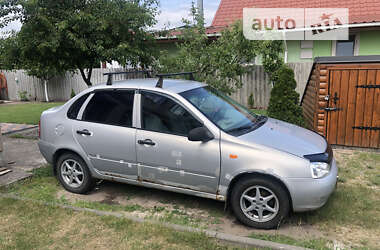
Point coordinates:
[[110, 74], [160, 82]]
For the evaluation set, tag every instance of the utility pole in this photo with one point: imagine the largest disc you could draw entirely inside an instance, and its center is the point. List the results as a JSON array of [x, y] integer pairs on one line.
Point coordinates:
[[200, 8]]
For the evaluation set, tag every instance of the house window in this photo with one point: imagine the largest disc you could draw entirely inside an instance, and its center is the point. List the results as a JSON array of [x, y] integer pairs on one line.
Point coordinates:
[[306, 50], [345, 47]]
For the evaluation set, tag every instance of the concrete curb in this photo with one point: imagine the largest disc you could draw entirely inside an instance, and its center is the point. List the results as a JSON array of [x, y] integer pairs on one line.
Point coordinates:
[[239, 240], [19, 130]]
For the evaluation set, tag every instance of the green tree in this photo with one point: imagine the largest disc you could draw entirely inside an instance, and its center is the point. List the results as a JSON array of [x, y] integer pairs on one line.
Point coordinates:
[[80, 33], [9, 52], [35, 48], [284, 100], [219, 62], [270, 51]]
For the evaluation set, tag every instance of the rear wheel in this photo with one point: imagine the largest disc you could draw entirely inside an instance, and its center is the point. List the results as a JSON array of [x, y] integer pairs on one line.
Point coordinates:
[[259, 202], [74, 174]]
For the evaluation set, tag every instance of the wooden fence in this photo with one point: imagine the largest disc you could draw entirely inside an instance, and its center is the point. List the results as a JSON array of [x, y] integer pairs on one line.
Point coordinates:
[[59, 88]]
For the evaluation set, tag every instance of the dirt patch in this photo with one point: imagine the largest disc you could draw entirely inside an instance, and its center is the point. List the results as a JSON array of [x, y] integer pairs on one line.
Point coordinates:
[[209, 214], [358, 237], [157, 204]]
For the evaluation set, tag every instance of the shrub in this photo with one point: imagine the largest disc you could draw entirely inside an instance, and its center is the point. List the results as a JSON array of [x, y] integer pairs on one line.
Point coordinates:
[[23, 96], [72, 93], [284, 100], [251, 101]]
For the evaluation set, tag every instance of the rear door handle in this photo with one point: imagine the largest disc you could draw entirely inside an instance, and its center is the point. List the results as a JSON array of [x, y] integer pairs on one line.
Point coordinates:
[[84, 132], [146, 142]]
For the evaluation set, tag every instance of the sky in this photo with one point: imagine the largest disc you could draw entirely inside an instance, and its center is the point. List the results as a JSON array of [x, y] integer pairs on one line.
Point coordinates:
[[171, 13]]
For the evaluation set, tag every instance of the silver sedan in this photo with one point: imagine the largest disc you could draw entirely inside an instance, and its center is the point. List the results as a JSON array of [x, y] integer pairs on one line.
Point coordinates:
[[184, 136]]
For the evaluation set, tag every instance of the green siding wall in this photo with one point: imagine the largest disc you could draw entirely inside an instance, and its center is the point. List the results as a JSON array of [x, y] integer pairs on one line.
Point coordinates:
[[322, 48], [294, 52], [369, 43]]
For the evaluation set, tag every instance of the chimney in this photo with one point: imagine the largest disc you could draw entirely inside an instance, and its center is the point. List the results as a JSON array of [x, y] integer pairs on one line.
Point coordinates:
[[200, 8]]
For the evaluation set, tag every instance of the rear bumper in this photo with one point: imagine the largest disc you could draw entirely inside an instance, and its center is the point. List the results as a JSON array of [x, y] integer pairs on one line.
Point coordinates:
[[47, 150], [308, 193]]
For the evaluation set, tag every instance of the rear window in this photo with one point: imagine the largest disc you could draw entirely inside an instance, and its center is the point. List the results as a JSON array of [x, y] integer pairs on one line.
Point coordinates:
[[75, 107]]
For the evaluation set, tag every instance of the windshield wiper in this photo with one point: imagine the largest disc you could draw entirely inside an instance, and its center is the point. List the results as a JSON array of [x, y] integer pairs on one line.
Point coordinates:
[[262, 118], [245, 127]]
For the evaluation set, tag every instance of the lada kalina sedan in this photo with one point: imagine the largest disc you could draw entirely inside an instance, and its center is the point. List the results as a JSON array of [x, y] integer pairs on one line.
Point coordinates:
[[184, 136]]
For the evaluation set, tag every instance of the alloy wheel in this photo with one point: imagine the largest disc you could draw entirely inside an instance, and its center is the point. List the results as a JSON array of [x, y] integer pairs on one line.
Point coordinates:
[[72, 173], [259, 204]]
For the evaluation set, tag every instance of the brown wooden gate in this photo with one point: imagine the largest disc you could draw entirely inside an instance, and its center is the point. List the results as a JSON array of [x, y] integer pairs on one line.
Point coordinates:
[[353, 110]]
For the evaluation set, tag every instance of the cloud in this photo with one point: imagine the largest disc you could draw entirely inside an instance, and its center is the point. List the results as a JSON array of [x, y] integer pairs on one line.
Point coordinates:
[[12, 26], [173, 12]]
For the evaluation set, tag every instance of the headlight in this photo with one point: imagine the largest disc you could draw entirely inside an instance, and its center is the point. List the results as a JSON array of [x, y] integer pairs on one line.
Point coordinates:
[[319, 169]]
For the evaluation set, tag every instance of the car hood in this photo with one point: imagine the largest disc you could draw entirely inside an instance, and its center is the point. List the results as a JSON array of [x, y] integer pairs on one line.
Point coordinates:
[[286, 137]]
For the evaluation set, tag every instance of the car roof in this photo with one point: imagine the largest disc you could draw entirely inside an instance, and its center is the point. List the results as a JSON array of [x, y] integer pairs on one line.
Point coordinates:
[[169, 85]]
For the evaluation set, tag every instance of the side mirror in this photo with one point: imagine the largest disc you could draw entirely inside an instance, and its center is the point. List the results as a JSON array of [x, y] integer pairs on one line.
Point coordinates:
[[200, 134]]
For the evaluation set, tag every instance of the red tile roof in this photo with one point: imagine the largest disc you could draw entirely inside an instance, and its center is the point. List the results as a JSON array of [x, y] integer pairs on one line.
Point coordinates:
[[360, 11]]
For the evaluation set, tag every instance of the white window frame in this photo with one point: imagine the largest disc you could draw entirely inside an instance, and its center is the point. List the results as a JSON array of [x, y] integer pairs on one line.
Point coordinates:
[[306, 49]]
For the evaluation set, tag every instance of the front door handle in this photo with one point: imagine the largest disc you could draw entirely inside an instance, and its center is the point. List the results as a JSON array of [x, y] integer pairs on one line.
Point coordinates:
[[146, 142], [84, 132]]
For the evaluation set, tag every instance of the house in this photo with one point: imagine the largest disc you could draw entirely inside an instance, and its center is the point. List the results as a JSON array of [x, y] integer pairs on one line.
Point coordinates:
[[364, 27]]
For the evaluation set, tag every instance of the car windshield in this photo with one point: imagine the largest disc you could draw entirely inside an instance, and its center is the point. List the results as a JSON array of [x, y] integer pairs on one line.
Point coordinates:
[[224, 112]]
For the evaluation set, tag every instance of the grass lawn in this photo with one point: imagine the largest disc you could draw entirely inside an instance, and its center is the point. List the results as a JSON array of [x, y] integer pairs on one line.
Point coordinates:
[[27, 225], [24, 113], [351, 216]]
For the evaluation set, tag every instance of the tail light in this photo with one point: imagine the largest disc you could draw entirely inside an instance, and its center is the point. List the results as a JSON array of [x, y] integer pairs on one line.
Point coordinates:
[[39, 129]]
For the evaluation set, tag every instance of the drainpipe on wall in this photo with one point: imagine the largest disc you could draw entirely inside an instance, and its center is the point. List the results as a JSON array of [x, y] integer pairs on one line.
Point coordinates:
[[286, 48]]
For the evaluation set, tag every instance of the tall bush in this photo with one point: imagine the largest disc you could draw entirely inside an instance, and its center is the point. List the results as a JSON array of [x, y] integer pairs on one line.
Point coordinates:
[[284, 100]]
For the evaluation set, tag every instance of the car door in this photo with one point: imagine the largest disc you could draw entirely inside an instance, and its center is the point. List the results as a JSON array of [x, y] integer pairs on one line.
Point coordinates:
[[164, 153], [105, 132]]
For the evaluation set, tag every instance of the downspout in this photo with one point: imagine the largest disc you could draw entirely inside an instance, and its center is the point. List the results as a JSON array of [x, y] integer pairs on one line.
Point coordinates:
[[285, 48]]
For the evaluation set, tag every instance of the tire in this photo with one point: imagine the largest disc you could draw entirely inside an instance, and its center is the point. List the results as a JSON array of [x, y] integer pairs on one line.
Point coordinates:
[[273, 210], [71, 167]]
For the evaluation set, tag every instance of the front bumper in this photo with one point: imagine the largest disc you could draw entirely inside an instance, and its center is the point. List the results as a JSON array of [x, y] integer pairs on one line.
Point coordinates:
[[308, 193]]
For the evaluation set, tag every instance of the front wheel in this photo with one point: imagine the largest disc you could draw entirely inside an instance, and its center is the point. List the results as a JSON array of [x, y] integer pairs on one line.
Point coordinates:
[[259, 202], [74, 174]]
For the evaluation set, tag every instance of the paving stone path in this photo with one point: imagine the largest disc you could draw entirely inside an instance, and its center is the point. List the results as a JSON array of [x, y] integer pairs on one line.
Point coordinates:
[[24, 156]]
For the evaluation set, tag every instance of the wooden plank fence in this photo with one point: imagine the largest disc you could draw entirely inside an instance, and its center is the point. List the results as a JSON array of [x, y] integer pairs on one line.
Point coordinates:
[[257, 83], [59, 88]]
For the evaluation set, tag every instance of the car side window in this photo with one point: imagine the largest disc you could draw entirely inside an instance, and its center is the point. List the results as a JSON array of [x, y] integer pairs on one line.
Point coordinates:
[[162, 114], [113, 107], [75, 107]]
